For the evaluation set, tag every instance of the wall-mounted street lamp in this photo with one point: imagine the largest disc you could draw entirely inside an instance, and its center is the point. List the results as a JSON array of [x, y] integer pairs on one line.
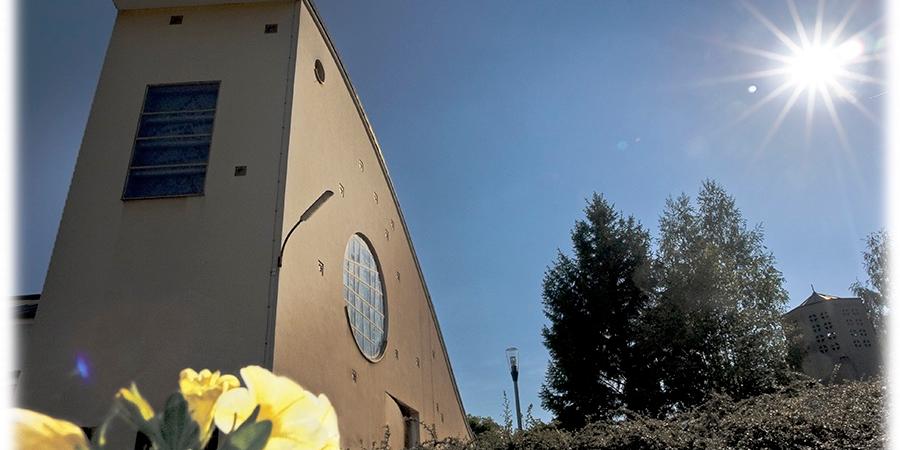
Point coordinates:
[[269, 355], [512, 357], [303, 218]]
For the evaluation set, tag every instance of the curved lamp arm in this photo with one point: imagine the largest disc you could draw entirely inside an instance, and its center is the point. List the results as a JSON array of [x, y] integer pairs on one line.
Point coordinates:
[[303, 217]]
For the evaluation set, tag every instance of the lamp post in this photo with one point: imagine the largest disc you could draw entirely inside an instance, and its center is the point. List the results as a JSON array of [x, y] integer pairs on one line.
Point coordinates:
[[303, 217], [512, 357], [269, 355]]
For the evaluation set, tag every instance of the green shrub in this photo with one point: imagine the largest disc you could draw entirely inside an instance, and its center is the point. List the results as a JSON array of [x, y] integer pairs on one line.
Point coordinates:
[[805, 415]]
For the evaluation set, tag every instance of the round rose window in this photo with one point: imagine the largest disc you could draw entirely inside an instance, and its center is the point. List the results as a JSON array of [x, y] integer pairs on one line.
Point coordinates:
[[364, 294]]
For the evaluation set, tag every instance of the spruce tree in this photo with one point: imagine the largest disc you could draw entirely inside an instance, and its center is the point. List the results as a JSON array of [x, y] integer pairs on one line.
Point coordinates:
[[593, 300]]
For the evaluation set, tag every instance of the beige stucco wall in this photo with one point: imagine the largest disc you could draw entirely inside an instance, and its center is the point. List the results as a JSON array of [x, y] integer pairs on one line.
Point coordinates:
[[313, 342], [393, 421], [144, 288], [843, 356]]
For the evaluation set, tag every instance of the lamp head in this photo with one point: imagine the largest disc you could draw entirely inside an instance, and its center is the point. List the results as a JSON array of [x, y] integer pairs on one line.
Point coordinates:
[[315, 206], [512, 357]]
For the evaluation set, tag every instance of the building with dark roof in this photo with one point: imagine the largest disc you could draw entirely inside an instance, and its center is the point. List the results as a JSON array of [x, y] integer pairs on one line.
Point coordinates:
[[837, 336]]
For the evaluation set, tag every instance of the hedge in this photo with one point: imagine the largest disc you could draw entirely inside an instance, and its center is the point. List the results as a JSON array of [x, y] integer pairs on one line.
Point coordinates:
[[805, 415]]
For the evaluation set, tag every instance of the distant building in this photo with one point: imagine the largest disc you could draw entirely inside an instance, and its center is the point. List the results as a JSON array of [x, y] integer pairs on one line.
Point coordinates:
[[838, 337], [215, 125]]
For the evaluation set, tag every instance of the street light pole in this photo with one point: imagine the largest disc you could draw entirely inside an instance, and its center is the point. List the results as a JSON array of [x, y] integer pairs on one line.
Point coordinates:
[[303, 217], [512, 357], [269, 354]]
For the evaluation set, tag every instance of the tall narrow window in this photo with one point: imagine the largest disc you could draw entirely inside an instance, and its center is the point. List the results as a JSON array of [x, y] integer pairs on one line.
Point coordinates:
[[171, 150]]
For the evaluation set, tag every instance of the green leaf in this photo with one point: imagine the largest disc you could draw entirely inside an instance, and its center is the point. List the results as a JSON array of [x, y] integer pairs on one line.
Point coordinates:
[[249, 437], [178, 429], [252, 418]]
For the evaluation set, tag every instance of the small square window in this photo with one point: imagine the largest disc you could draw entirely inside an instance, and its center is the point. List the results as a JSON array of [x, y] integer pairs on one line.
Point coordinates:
[[176, 20], [171, 149], [271, 28]]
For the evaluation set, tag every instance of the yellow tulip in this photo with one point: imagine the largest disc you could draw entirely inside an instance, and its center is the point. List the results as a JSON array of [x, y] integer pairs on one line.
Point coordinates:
[[300, 420], [37, 431], [201, 390], [134, 397]]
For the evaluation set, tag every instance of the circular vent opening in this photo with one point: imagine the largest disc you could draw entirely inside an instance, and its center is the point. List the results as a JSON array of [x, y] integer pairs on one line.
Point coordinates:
[[320, 71]]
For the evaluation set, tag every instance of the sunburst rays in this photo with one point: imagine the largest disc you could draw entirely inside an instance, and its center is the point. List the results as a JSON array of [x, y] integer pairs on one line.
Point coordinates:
[[823, 64]]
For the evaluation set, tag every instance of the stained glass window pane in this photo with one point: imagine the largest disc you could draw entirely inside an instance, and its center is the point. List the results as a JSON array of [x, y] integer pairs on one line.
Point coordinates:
[[181, 97], [364, 298], [154, 152], [170, 180], [171, 151], [176, 124]]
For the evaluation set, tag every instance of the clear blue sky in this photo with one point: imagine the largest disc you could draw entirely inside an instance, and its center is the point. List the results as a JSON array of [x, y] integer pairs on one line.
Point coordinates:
[[498, 119]]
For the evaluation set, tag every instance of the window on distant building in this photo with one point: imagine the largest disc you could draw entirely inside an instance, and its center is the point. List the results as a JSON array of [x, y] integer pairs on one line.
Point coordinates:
[[363, 292], [171, 149]]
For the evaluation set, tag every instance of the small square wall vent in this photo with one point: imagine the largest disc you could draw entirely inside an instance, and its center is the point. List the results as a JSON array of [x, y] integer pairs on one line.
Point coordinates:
[[271, 28], [240, 171], [176, 20]]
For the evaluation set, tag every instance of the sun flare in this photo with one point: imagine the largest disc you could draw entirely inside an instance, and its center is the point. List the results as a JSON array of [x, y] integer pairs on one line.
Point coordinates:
[[826, 66], [821, 66]]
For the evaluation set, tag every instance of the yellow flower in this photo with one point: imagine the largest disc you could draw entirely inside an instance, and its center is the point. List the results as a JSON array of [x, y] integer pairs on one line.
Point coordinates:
[[201, 390], [37, 431], [300, 420], [134, 397]]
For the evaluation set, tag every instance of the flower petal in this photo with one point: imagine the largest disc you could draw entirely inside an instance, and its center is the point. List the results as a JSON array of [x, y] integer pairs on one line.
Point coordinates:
[[134, 397], [300, 420], [37, 431], [273, 393], [201, 391], [233, 408]]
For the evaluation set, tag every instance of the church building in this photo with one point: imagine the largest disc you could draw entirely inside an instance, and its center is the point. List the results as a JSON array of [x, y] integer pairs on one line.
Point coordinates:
[[231, 206], [837, 338]]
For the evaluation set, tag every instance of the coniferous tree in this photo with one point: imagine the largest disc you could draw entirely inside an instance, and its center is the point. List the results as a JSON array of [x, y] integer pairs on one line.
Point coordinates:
[[593, 300]]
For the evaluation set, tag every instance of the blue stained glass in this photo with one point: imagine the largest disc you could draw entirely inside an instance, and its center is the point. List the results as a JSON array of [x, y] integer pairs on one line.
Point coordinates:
[[155, 152], [181, 97], [165, 181], [171, 152], [176, 124]]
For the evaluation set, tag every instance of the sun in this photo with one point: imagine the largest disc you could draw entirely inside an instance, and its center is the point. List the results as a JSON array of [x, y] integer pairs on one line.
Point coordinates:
[[821, 66], [824, 66]]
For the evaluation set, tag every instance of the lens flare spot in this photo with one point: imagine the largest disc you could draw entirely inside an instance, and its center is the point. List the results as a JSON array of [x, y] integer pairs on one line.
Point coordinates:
[[81, 367], [850, 50]]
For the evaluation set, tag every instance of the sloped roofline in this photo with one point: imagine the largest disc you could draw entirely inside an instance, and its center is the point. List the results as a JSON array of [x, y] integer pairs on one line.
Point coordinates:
[[371, 133], [817, 297]]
